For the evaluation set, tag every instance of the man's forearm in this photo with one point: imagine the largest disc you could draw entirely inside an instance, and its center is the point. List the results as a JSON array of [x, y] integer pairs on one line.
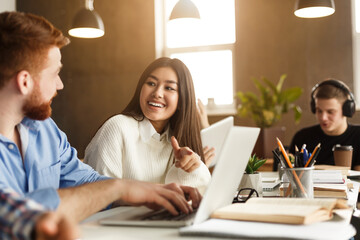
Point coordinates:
[[82, 201]]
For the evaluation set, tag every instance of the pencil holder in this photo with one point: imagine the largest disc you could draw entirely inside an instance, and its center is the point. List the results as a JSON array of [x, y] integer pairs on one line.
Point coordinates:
[[298, 182], [280, 171]]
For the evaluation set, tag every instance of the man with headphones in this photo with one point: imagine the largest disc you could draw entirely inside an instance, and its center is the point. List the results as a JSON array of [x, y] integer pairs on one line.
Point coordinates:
[[332, 103]]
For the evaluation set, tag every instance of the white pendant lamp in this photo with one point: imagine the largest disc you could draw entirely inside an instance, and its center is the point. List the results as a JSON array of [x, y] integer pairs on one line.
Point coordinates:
[[87, 23], [184, 9], [314, 8]]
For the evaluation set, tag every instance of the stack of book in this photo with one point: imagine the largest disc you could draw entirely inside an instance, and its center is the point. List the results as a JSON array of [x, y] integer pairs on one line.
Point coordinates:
[[327, 184], [330, 183], [344, 170]]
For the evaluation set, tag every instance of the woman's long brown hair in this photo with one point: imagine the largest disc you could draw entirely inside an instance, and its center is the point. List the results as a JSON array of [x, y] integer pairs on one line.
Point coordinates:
[[184, 124]]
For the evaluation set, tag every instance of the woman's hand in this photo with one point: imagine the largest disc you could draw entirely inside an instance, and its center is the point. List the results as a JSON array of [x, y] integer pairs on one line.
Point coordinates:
[[209, 154], [185, 158]]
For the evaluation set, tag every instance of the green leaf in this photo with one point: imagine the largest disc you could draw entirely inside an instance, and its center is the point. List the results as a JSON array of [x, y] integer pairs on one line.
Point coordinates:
[[281, 82], [297, 112], [291, 94], [271, 85], [249, 170], [258, 164], [263, 89]]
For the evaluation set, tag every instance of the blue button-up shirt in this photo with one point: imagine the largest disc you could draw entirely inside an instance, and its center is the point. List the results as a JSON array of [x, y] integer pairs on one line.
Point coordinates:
[[49, 163]]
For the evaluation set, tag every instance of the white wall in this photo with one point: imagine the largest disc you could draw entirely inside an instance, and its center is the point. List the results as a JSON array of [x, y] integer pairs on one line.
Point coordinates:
[[7, 5]]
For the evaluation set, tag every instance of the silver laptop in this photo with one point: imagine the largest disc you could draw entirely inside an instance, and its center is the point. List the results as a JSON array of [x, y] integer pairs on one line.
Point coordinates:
[[214, 136], [225, 179]]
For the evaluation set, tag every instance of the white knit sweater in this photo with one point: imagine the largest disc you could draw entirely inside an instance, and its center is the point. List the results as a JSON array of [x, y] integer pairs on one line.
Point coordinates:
[[129, 149]]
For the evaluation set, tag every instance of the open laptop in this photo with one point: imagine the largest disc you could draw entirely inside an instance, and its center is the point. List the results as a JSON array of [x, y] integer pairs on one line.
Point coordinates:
[[225, 179], [214, 136]]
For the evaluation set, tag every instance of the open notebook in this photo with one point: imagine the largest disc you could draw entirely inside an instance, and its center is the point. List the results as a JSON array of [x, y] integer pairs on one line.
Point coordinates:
[[226, 177]]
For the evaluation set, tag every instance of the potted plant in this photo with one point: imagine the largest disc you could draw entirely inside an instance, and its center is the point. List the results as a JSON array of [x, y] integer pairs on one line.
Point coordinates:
[[267, 108], [254, 164], [252, 178]]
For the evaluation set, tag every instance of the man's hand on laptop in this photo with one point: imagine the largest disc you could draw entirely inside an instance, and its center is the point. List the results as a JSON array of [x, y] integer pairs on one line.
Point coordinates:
[[170, 196], [191, 194]]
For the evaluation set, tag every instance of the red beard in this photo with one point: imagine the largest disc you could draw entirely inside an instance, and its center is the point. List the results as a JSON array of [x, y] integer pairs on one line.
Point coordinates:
[[34, 109]]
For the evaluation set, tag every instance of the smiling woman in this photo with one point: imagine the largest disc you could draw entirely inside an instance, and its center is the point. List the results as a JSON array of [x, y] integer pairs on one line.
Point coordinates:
[[156, 138], [159, 97]]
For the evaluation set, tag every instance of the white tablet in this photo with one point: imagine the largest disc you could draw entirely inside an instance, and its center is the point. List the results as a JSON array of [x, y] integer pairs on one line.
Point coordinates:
[[215, 135]]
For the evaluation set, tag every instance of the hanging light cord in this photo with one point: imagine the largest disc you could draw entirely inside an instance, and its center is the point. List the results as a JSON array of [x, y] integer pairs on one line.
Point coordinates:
[[89, 4]]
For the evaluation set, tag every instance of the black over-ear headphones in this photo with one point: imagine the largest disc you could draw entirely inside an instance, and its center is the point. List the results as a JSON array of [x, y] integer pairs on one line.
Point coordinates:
[[348, 107]]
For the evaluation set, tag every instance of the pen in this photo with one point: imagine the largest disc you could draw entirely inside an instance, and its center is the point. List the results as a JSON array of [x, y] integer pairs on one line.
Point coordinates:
[[298, 158], [312, 155], [303, 147], [305, 156], [312, 162]]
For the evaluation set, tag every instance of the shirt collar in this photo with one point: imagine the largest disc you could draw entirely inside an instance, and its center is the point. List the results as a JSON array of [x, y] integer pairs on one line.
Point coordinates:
[[30, 123], [147, 131], [27, 123]]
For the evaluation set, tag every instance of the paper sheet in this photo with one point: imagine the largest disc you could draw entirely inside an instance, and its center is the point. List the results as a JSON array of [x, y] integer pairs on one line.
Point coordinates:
[[336, 229]]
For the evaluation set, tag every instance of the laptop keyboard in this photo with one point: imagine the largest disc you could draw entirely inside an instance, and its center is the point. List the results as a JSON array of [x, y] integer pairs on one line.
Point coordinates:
[[166, 215]]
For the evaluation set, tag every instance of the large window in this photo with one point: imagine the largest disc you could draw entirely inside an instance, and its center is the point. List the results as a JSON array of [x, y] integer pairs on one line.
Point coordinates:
[[205, 46], [356, 48]]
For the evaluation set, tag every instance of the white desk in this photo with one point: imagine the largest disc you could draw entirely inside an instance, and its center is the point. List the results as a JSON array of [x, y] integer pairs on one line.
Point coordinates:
[[91, 229]]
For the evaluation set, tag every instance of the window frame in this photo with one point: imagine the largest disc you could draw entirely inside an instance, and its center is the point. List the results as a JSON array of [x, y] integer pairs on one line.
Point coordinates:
[[356, 56], [162, 50]]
